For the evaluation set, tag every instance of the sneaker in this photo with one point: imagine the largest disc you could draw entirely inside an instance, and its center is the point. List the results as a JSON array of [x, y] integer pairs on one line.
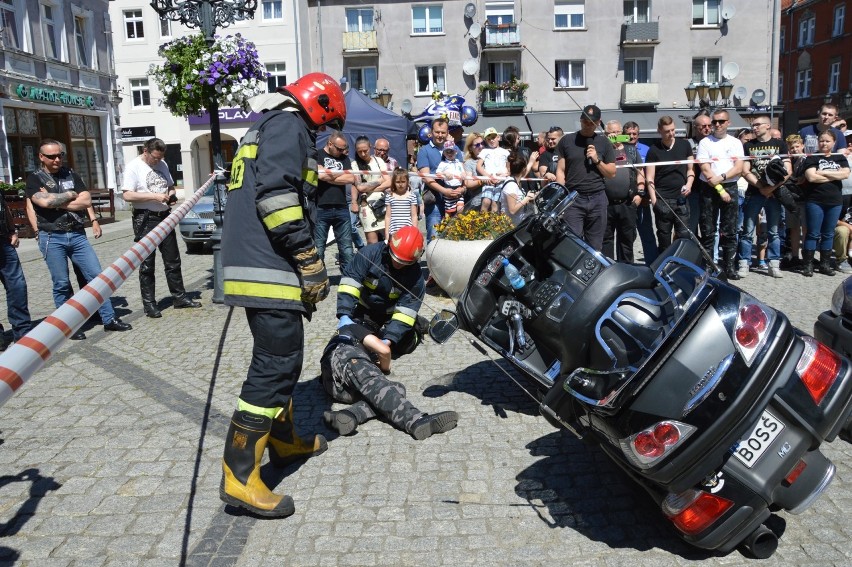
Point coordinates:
[[762, 266], [844, 267], [742, 270], [775, 269]]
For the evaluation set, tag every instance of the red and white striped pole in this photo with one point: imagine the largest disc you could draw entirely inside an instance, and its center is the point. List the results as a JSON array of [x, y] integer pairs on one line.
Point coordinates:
[[24, 358]]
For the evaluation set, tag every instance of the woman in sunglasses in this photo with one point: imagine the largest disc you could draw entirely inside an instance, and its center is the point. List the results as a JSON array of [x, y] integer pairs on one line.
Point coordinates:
[[472, 146]]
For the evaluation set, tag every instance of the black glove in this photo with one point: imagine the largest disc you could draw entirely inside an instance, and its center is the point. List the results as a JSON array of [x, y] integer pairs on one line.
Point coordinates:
[[314, 278]]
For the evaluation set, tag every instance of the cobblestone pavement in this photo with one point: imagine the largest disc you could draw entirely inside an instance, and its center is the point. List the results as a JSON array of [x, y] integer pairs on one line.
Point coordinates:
[[111, 456]]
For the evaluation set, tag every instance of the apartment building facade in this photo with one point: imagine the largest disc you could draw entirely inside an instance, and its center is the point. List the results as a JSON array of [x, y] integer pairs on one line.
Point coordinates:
[[633, 58], [816, 58], [56, 81]]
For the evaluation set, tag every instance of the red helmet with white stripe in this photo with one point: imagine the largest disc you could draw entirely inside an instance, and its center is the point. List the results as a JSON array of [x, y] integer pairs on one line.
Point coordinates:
[[406, 245], [320, 98]]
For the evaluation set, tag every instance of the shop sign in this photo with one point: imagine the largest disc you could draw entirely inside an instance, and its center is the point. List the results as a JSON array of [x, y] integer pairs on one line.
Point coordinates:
[[138, 133], [226, 115], [55, 97]]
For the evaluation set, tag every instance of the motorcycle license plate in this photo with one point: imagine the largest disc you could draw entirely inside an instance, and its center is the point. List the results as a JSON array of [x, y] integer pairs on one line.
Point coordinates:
[[750, 449]]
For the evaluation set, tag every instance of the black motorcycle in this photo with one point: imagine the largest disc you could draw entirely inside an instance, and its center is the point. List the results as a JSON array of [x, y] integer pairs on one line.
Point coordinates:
[[707, 398]]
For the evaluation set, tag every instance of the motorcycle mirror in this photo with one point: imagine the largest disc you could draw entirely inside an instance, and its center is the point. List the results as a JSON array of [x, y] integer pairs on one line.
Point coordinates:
[[443, 326]]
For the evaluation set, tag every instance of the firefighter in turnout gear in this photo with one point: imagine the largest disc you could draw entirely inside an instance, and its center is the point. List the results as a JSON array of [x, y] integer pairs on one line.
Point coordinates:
[[271, 268], [378, 298]]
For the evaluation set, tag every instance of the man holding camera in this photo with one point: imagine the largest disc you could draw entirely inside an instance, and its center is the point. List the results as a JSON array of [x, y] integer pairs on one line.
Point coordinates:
[[149, 187]]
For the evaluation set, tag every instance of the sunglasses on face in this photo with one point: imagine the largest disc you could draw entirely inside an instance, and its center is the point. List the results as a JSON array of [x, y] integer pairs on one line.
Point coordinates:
[[717, 122], [478, 145], [54, 156], [339, 149]]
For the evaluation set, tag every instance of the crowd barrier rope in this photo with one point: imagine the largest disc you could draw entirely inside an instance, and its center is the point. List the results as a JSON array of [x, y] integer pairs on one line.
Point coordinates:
[[23, 359]]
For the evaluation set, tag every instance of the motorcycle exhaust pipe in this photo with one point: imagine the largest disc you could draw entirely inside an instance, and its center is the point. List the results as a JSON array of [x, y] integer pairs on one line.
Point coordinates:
[[761, 543]]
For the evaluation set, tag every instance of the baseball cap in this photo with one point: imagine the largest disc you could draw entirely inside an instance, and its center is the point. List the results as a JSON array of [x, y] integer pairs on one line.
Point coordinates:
[[592, 112], [449, 145], [490, 132]]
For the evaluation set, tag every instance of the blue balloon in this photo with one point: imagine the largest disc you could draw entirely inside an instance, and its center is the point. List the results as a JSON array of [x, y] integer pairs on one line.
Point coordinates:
[[468, 116], [425, 134]]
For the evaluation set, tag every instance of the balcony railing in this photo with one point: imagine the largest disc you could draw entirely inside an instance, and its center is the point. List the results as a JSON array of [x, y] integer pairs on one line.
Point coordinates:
[[503, 99], [360, 42], [502, 35], [640, 33]]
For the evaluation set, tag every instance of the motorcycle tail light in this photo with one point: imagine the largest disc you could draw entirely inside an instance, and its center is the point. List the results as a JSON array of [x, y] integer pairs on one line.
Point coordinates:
[[752, 329], [818, 368], [794, 474], [650, 445], [693, 511]]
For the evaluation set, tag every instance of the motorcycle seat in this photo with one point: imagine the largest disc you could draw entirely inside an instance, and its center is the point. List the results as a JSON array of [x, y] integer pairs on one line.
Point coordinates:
[[580, 321]]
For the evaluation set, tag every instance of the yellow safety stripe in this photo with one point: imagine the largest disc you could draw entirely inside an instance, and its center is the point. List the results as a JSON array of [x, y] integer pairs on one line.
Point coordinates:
[[370, 284], [271, 413], [402, 318], [278, 202], [350, 290], [282, 216], [311, 176], [265, 290], [406, 311], [394, 295]]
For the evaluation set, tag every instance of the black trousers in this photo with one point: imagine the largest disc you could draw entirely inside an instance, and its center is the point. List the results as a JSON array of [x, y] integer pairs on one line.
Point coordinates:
[[667, 222], [142, 225], [276, 357], [620, 226], [712, 207]]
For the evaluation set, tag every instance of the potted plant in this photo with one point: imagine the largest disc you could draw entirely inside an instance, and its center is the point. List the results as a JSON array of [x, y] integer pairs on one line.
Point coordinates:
[[460, 241], [513, 85], [16, 189], [228, 71]]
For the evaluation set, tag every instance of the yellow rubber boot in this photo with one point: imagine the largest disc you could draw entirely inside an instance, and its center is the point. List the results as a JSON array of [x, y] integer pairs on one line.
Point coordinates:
[[241, 483], [285, 445]]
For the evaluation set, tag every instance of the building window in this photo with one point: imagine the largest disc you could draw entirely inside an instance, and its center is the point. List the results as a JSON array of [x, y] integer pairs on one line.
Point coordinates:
[[277, 76], [499, 12], [706, 69], [839, 16], [780, 87], [11, 35], [273, 10], [82, 42], [782, 39], [501, 71], [834, 77], [706, 12], [570, 74], [569, 14], [363, 79], [637, 70], [133, 25], [637, 11], [165, 27], [806, 30], [431, 78], [51, 45], [427, 19], [140, 92], [803, 83], [359, 19]]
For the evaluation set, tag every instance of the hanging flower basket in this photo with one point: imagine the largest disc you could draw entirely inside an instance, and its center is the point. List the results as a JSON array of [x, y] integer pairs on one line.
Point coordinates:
[[194, 73]]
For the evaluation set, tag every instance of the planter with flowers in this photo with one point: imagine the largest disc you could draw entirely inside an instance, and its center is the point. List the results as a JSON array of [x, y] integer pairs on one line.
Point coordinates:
[[461, 240], [502, 96], [227, 72], [16, 189]]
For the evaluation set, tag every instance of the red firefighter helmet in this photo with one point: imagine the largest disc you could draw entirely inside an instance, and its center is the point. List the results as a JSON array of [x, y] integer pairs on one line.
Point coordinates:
[[320, 98], [406, 245]]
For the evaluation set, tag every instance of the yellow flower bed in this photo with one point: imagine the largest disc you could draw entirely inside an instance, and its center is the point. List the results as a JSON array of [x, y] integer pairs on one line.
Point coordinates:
[[474, 225]]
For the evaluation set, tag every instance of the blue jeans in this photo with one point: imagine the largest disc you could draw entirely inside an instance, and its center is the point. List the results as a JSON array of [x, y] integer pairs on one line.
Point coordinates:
[[337, 219], [12, 276], [59, 247], [434, 214], [357, 240], [821, 220], [751, 212]]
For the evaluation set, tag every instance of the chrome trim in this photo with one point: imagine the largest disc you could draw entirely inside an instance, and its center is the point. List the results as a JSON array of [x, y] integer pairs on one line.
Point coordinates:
[[826, 480], [710, 385]]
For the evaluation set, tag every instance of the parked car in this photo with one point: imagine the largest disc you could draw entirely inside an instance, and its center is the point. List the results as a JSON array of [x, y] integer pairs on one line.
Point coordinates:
[[197, 226], [834, 327]]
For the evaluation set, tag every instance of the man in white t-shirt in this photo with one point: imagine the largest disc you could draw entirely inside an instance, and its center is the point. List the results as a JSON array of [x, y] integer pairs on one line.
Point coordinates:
[[721, 158], [149, 187]]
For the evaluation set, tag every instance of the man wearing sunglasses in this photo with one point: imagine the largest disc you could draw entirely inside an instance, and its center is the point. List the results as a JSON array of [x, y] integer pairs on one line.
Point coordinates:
[[332, 209], [721, 159], [60, 199]]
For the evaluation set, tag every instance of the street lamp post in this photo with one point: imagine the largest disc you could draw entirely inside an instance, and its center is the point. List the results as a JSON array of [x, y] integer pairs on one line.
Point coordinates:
[[207, 15]]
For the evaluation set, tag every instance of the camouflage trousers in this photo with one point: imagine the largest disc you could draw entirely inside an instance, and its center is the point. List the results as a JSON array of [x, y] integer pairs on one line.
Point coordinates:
[[349, 375]]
